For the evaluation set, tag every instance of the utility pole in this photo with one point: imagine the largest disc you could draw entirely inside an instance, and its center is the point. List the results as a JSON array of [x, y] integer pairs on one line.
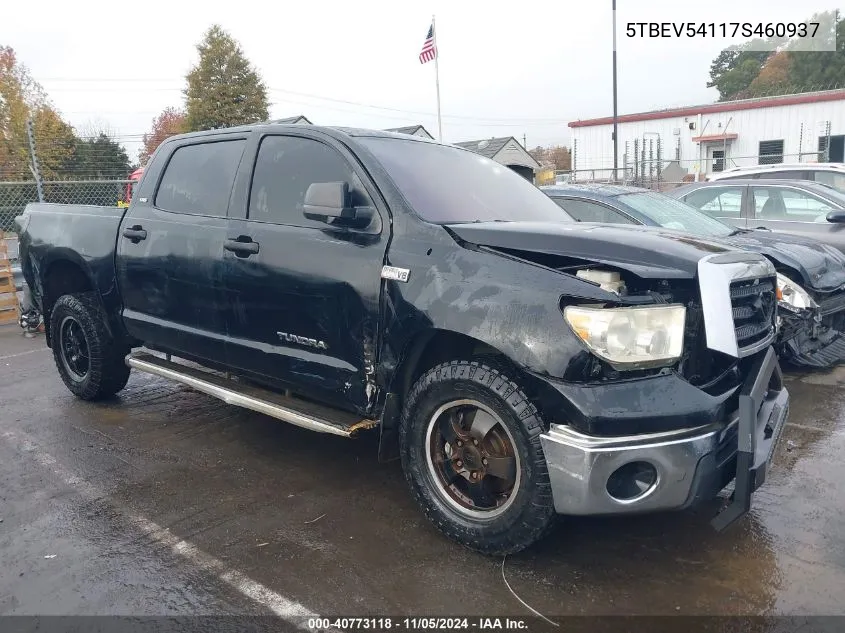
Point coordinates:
[[524, 142], [615, 113], [36, 171]]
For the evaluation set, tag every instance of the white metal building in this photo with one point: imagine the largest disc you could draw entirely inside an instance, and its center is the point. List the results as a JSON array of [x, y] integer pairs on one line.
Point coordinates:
[[807, 127]]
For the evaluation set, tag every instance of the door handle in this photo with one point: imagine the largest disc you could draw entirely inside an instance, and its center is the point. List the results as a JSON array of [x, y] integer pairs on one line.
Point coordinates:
[[242, 246], [135, 233]]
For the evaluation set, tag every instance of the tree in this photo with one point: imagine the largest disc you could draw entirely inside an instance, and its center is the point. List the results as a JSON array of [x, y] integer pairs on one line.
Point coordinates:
[[820, 70], [22, 99], [774, 76], [223, 89], [170, 122], [98, 156], [560, 157], [55, 144], [556, 157], [734, 69], [743, 71]]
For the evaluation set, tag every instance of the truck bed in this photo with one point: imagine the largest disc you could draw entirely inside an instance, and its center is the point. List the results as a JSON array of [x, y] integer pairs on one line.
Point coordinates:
[[85, 235]]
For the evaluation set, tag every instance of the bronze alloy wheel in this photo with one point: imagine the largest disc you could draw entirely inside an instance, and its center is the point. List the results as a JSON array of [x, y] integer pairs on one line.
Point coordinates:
[[471, 458]]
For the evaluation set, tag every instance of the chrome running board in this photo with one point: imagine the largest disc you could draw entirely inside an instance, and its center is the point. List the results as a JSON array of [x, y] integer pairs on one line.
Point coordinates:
[[293, 410]]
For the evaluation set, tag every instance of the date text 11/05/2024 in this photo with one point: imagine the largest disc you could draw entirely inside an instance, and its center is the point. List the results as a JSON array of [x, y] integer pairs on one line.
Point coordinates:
[[418, 623], [722, 29]]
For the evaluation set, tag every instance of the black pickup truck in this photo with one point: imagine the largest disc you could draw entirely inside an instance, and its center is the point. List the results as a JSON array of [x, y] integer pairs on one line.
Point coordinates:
[[344, 280]]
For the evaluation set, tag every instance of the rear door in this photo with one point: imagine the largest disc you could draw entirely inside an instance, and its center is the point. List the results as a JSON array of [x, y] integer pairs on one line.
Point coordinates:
[[170, 249], [724, 203], [304, 295], [797, 211]]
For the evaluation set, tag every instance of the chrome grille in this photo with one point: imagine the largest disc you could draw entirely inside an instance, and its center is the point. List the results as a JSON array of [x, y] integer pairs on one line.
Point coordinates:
[[753, 304]]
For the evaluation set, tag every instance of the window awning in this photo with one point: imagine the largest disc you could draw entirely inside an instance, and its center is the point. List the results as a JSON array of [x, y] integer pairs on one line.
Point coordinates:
[[715, 138]]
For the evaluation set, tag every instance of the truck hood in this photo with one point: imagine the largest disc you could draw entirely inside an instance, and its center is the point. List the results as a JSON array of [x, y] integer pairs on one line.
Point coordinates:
[[821, 267], [648, 252]]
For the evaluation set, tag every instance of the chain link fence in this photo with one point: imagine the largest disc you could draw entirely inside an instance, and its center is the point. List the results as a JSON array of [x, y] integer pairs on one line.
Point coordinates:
[[15, 195], [660, 172]]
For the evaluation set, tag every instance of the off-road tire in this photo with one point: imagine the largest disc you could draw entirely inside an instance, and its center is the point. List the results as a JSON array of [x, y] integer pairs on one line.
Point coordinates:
[[531, 514], [107, 373]]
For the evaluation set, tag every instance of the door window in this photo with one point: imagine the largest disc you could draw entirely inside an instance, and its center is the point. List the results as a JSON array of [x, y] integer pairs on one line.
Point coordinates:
[[720, 202], [198, 178], [286, 166], [831, 178], [777, 203], [587, 211]]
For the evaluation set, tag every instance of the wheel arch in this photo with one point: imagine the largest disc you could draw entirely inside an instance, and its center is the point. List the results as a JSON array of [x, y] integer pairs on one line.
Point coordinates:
[[62, 275], [431, 347]]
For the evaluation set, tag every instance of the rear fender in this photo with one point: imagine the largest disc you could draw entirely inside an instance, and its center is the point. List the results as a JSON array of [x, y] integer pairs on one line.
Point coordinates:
[[78, 276]]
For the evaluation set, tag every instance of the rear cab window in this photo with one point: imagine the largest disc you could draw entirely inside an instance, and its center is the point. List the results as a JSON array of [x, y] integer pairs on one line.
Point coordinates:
[[199, 177]]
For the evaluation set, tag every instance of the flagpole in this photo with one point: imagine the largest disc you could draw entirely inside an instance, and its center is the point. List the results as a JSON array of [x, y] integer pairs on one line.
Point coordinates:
[[437, 79]]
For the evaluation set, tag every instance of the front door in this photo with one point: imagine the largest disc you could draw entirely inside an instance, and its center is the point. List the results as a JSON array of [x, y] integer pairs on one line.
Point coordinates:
[[792, 210], [304, 301], [724, 203], [170, 251], [717, 159]]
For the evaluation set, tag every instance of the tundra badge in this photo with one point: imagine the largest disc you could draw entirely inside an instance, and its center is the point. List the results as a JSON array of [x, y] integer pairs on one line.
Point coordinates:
[[302, 340], [396, 274]]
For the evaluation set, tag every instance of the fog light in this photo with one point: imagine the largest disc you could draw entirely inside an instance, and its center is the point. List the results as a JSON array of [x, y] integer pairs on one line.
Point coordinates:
[[631, 481]]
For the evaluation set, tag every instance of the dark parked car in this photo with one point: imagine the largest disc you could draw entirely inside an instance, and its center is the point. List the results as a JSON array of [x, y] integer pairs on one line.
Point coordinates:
[[811, 275], [799, 207], [519, 366]]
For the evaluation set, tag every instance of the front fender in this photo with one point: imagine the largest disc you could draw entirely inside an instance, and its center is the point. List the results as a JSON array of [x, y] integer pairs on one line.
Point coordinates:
[[511, 306]]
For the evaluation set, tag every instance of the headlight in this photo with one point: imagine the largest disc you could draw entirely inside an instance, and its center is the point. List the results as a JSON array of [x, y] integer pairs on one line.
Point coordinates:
[[792, 296], [631, 338]]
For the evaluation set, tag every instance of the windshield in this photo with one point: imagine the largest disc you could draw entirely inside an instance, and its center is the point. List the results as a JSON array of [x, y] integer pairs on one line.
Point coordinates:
[[674, 214], [447, 185]]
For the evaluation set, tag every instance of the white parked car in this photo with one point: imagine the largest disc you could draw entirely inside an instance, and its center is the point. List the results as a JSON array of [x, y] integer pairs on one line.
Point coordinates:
[[831, 174]]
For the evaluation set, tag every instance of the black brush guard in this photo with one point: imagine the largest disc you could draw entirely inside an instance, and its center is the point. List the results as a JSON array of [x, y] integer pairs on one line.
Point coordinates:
[[763, 409]]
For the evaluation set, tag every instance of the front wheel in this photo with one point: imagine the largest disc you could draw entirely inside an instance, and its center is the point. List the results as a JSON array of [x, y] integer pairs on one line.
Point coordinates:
[[89, 360], [471, 452]]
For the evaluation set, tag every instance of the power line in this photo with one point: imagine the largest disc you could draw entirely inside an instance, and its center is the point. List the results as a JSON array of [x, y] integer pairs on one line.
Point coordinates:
[[491, 120]]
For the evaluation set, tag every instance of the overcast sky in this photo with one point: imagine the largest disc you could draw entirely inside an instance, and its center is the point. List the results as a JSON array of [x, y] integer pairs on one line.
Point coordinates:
[[505, 68]]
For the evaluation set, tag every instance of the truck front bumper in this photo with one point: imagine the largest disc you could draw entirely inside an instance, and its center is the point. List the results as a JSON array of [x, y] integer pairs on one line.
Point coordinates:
[[672, 470]]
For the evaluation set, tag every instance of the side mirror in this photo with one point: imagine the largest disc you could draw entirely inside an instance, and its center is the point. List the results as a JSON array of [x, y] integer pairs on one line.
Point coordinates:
[[836, 216], [329, 202]]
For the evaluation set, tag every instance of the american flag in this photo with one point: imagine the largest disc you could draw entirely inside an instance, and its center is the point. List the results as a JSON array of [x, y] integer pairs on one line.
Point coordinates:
[[429, 50]]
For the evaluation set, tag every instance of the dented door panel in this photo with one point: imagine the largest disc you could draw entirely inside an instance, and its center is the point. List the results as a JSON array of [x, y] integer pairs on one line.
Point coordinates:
[[304, 310]]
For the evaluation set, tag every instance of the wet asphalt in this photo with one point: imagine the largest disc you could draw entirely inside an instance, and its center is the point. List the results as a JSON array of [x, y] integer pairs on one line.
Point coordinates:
[[316, 519]]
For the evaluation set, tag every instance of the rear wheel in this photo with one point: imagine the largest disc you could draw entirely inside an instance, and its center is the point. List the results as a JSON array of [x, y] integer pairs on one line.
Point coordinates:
[[89, 360], [470, 444]]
